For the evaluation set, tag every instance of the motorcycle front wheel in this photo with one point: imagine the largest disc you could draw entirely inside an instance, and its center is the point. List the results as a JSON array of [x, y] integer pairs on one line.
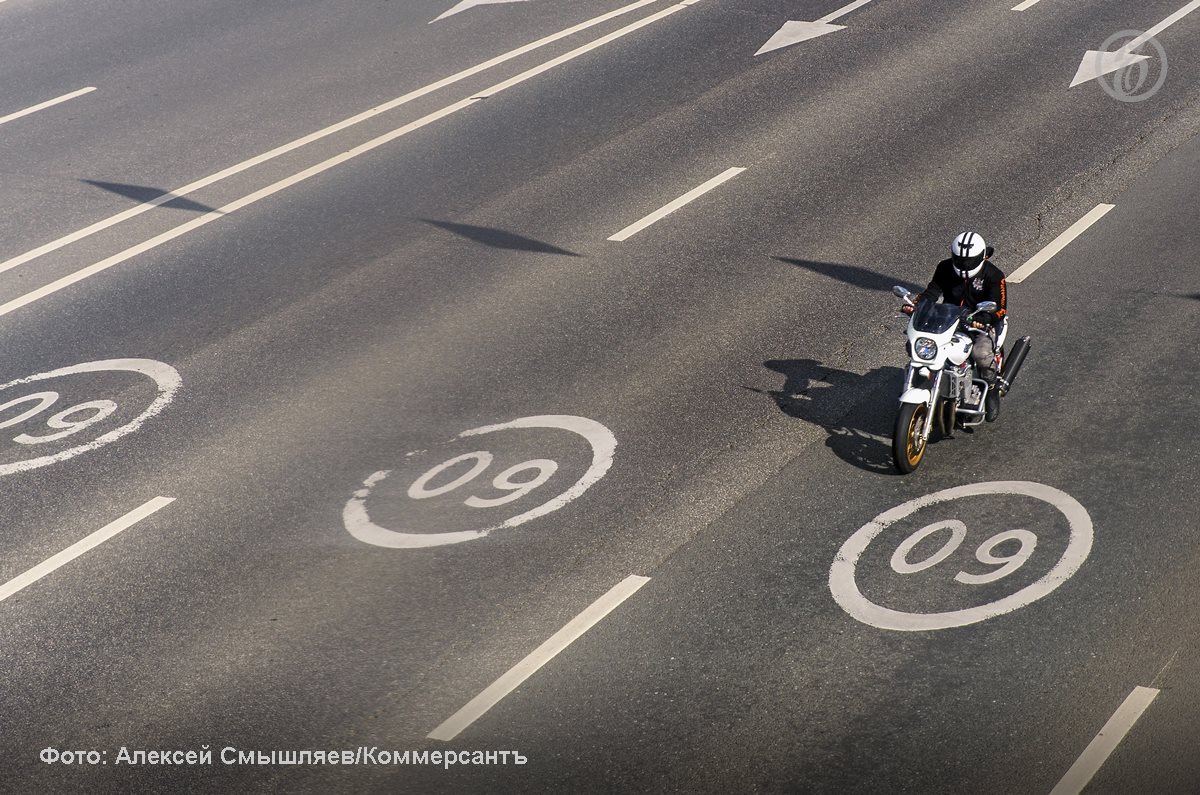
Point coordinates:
[[908, 438]]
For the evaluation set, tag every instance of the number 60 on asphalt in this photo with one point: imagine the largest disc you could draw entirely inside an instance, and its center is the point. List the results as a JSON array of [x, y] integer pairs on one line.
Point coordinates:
[[843, 574], [984, 554], [517, 481], [100, 409], [545, 468], [98, 415]]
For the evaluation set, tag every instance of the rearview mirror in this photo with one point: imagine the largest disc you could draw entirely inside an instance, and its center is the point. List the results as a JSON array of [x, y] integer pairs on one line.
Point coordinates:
[[900, 292], [986, 306]]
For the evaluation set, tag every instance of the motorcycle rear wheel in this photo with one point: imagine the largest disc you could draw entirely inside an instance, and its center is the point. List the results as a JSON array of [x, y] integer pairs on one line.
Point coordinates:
[[908, 438]]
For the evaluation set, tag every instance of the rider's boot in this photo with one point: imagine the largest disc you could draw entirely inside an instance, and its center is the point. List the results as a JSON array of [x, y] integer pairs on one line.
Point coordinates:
[[991, 404]]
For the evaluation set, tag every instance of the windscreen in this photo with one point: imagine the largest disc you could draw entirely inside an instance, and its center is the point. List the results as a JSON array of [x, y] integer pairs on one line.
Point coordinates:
[[935, 318]]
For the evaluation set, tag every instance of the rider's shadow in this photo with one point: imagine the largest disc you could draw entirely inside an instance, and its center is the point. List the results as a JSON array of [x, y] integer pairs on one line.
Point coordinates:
[[857, 411]]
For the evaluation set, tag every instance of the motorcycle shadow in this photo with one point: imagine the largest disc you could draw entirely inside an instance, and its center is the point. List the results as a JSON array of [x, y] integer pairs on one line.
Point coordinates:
[[857, 411]]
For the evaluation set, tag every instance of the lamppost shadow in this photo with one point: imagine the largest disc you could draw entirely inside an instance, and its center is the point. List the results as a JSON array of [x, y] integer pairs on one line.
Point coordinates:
[[499, 238]]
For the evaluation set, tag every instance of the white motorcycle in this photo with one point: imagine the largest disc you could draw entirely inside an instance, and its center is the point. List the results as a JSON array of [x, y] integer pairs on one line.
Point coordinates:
[[941, 384]]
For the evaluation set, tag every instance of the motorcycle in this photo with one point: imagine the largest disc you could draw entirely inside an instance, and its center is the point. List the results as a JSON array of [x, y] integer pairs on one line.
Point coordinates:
[[942, 386]]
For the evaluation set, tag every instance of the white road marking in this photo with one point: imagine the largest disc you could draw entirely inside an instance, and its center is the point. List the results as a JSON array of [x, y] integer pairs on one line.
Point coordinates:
[[560, 640], [191, 187], [83, 545], [794, 32], [672, 206], [1059, 243], [1099, 749], [166, 379], [843, 11], [465, 4], [47, 104], [325, 165], [900, 561], [358, 523], [1025, 5], [845, 590], [573, 54], [1097, 63], [1161, 26], [601, 440]]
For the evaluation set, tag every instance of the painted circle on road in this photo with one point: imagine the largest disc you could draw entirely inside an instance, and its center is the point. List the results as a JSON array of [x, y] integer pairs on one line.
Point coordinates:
[[454, 474], [845, 588], [21, 410]]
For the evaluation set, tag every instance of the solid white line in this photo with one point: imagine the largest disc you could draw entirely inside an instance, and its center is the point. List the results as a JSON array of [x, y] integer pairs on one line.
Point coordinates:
[[575, 53], [1105, 742], [1059, 243], [671, 207], [843, 11], [325, 165], [48, 103], [1161, 26], [1025, 5], [191, 187], [560, 640], [79, 547]]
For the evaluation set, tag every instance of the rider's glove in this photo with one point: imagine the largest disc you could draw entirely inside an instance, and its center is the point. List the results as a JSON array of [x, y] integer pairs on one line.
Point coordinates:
[[907, 309], [978, 325]]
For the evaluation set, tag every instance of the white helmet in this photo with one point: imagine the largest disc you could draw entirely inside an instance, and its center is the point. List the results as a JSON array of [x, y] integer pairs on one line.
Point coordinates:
[[967, 253]]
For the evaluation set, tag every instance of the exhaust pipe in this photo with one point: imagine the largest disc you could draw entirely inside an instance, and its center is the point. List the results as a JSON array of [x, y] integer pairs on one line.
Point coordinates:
[[1012, 364]]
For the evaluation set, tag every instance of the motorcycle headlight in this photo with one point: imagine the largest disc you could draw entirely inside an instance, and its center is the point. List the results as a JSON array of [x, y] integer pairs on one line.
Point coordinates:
[[925, 348]]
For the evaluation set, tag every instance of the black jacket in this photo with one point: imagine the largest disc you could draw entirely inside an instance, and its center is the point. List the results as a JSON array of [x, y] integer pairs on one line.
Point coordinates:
[[987, 285]]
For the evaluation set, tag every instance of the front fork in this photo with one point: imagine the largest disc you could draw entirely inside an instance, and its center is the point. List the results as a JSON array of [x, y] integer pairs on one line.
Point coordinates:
[[935, 392]]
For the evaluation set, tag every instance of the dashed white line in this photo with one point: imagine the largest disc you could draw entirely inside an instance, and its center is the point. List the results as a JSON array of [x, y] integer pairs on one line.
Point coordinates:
[[560, 640], [47, 104], [1059, 243], [1105, 742], [191, 187], [92, 541], [672, 206], [325, 165], [1025, 5]]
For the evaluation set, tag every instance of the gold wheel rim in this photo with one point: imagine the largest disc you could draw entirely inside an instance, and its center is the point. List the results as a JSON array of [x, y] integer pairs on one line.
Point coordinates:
[[914, 444]]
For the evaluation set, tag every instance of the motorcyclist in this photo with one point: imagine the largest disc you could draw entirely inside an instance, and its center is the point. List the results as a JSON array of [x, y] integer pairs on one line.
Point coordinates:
[[968, 278]]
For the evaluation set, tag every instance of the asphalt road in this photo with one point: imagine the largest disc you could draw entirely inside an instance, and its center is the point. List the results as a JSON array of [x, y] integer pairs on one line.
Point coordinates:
[[347, 260]]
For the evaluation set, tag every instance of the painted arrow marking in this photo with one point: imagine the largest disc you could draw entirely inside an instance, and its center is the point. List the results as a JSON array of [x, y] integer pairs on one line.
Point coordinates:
[[465, 4], [795, 32], [1097, 63]]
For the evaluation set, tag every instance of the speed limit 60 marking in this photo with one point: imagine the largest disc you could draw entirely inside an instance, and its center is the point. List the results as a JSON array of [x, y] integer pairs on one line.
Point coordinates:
[[21, 410], [467, 480], [845, 588]]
